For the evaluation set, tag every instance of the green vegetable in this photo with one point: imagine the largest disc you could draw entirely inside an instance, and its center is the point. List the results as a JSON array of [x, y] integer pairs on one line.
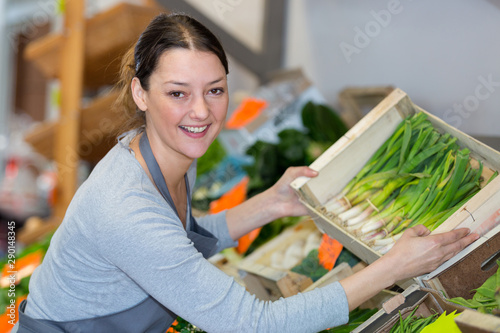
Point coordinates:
[[213, 156], [486, 298], [310, 266], [412, 323], [322, 122], [183, 326], [418, 176]]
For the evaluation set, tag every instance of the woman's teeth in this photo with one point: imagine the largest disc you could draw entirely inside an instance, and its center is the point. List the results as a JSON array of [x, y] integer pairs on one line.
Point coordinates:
[[194, 129]]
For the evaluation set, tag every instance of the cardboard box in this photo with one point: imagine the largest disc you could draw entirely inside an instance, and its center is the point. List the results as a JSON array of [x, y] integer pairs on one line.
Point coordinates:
[[428, 301], [343, 160], [468, 270], [270, 283]]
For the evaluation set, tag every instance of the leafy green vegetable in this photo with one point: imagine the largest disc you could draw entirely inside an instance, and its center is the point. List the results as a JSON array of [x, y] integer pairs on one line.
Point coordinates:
[[486, 298], [310, 266], [214, 154], [322, 122], [183, 326], [412, 323]]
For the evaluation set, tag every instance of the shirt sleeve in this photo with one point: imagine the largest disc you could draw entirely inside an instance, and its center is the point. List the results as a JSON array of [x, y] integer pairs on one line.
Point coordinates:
[[147, 243], [217, 225]]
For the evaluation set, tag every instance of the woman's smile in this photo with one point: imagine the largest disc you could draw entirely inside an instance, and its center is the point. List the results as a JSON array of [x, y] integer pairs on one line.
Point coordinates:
[[195, 131]]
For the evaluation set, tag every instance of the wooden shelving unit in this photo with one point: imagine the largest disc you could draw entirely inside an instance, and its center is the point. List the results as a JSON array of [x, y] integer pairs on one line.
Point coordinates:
[[97, 124], [87, 54], [107, 36]]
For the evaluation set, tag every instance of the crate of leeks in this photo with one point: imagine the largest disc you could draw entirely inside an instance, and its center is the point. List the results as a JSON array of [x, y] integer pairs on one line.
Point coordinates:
[[397, 167]]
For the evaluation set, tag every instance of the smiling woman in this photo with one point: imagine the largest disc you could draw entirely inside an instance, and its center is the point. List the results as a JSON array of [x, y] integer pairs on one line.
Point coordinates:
[[130, 257], [186, 103]]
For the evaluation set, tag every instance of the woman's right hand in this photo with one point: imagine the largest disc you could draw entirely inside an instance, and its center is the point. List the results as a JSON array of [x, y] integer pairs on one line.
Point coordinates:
[[414, 254], [417, 252]]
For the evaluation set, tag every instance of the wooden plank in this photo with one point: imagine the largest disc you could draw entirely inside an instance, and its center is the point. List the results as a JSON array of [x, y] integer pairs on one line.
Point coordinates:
[[41, 138], [108, 36], [98, 124], [44, 52], [71, 74], [293, 283], [471, 321]]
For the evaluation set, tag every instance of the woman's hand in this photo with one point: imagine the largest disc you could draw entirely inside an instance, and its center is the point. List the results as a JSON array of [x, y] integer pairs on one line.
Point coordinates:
[[285, 200], [414, 254], [417, 252], [278, 201]]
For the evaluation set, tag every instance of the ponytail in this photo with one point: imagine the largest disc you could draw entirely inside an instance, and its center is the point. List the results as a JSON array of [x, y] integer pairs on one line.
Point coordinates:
[[131, 117]]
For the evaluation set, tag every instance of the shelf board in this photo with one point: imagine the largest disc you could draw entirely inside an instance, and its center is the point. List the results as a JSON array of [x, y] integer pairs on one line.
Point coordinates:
[[98, 123], [108, 36]]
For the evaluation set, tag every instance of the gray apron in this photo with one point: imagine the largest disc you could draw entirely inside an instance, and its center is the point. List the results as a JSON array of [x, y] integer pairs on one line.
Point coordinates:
[[149, 316]]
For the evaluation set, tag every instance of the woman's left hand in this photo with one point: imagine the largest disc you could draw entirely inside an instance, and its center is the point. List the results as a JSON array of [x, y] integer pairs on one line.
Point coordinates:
[[285, 200]]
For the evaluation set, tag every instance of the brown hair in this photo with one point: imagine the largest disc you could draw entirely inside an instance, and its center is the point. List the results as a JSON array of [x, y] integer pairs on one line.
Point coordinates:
[[166, 31]]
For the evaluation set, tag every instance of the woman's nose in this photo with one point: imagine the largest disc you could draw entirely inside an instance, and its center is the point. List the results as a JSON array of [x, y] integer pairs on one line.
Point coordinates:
[[200, 109]]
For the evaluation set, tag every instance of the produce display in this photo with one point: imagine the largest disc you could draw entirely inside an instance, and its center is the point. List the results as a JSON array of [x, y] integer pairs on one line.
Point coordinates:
[[418, 176], [25, 262], [182, 326], [323, 127], [311, 267], [412, 323], [213, 156], [293, 254], [295, 148], [486, 298], [356, 317]]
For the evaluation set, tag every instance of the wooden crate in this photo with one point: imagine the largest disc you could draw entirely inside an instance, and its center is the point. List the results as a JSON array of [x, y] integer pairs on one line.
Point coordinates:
[[459, 276], [471, 321], [343, 160], [428, 301], [269, 283]]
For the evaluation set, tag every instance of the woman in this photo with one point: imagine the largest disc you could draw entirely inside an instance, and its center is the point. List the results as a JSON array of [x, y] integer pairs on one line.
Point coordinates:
[[129, 256]]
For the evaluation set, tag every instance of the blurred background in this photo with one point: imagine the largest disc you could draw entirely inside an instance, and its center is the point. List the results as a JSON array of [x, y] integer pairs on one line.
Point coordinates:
[[349, 55], [335, 59]]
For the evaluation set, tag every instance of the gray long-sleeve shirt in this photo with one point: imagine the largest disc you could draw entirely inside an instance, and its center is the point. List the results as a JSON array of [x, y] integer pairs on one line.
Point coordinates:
[[120, 243]]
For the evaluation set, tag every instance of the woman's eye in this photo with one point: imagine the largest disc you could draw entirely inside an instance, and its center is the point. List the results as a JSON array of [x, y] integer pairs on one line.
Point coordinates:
[[216, 91], [176, 94]]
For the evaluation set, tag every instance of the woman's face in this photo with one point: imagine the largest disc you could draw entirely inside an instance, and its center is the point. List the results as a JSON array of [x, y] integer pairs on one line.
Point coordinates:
[[187, 101]]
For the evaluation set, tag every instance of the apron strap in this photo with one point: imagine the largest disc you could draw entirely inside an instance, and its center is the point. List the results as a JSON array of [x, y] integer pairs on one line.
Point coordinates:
[[156, 173], [203, 240]]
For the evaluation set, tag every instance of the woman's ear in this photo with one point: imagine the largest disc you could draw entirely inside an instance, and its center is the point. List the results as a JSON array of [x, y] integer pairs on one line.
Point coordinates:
[[138, 94]]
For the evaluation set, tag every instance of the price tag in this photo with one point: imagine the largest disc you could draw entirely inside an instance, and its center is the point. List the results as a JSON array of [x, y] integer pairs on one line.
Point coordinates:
[[247, 112], [329, 251]]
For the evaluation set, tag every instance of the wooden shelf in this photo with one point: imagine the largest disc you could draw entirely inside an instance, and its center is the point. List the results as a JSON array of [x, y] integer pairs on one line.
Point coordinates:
[[98, 122], [356, 101], [108, 37]]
